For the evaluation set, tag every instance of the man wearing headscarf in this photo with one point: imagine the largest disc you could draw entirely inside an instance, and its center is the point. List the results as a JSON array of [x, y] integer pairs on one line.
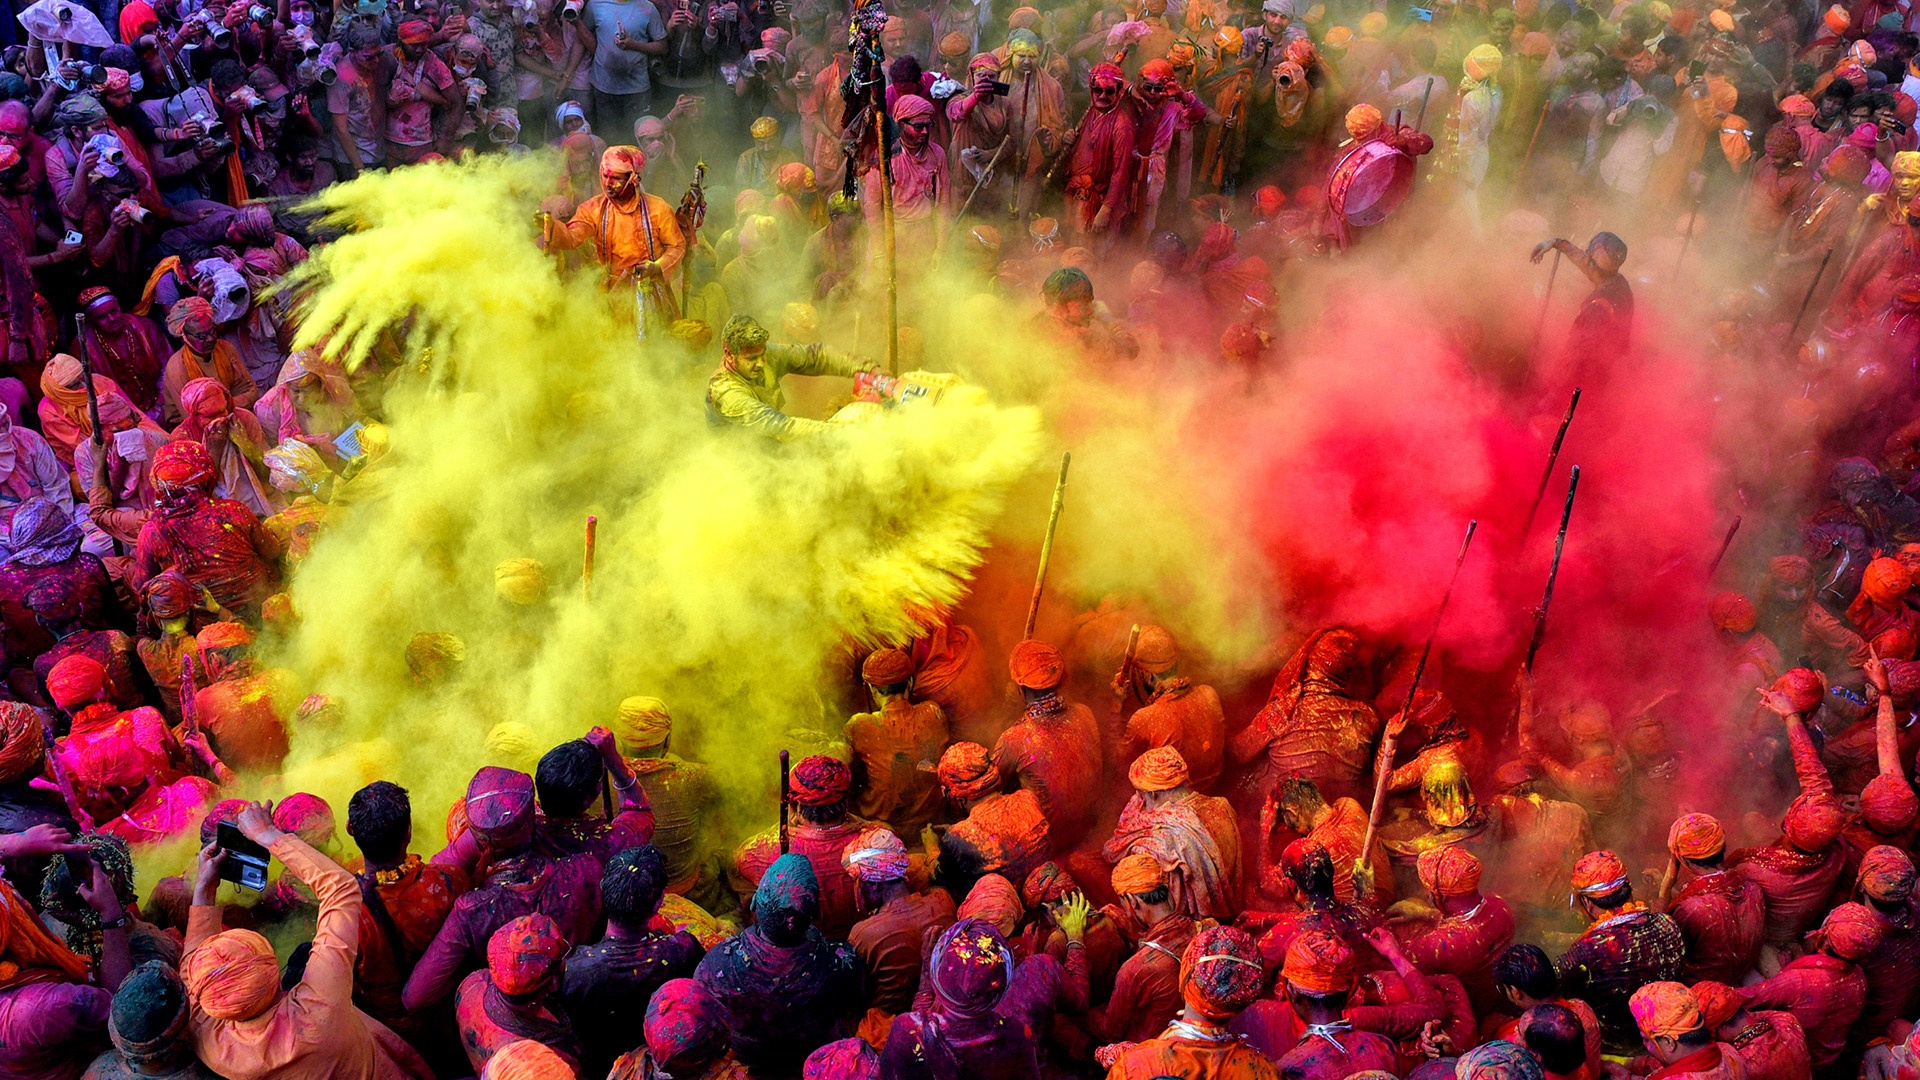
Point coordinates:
[[1779, 184], [149, 1028], [122, 765], [606, 983], [1314, 726], [822, 833], [203, 354], [1192, 837], [982, 143], [1165, 112], [1886, 888], [242, 709], [508, 1001], [1769, 1043], [785, 988], [889, 745], [1625, 946], [29, 469], [1297, 807], [681, 792], [122, 462], [65, 420], [1674, 1032], [1498, 1060], [1146, 989], [1219, 975], [1825, 990], [1174, 712], [1466, 931], [235, 441], [1721, 914], [1879, 611], [1055, 747], [518, 879], [961, 1032], [1888, 806], [216, 544], [922, 194], [634, 233], [1308, 870], [46, 546], [1798, 872], [244, 1026], [685, 1033], [1000, 832], [1790, 618], [311, 402], [1338, 1039], [1039, 114], [1598, 777], [891, 935], [1099, 166], [1603, 329]]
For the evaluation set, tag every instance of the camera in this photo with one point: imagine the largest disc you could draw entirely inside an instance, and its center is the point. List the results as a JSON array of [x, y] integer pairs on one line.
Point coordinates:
[[247, 99], [246, 862], [304, 44], [570, 10], [114, 156], [209, 124], [476, 90], [762, 60], [134, 210], [1283, 78], [259, 14]]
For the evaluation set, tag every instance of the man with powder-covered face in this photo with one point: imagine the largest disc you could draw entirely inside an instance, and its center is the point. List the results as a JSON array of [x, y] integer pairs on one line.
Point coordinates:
[[745, 392]]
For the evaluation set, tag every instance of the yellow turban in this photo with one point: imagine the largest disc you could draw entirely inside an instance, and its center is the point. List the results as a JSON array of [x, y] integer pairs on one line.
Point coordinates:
[[510, 743], [1373, 24], [1483, 62], [642, 723], [764, 128], [520, 581]]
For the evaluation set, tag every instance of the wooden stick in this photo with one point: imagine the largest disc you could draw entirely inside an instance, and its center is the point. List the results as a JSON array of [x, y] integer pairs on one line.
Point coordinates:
[[61, 780], [86, 375], [1553, 572], [1046, 546], [1687, 240], [189, 707], [886, 219], [1383, 765], [1724, 545], [1528, 160], [786, 796], [1540, 324], [1126, 667], [586, 573], [1812, 287], [1553, 456]]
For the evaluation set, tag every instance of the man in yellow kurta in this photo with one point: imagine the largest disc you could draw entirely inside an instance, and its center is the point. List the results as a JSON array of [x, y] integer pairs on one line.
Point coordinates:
[[745, 390], [635, 234]]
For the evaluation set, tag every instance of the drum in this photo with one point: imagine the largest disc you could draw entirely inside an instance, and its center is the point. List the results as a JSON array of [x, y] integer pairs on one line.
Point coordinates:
[[1369, 182]]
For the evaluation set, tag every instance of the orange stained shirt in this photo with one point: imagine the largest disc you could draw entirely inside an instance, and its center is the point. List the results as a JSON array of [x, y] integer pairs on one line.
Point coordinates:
[[621, 236]]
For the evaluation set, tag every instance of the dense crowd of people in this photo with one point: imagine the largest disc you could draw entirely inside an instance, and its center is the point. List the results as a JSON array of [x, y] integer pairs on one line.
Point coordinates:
[[1094, 863]]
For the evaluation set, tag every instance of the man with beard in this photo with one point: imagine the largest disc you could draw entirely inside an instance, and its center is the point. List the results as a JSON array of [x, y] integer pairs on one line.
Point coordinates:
[[922, 190], [635, 234], [1100, 161], [1040, 115], [1166, 109]]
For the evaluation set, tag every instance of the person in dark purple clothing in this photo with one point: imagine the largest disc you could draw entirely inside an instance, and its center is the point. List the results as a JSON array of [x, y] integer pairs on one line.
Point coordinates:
[[520, 881], [963, 1033], [570, 779], [45, 543], [785, 987], [609, 983]]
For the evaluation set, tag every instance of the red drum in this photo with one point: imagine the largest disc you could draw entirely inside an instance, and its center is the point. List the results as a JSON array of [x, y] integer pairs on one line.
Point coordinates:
[[1370, 182]]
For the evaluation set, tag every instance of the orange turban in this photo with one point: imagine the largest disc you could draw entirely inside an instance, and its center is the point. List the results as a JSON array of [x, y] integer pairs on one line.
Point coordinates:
[[1156, 71], [232, 975], [1731, 611], [525, 1059], [966, 771], [1887, 874], [1803, 688], [1665, 1010], [1318, 963], [1836, 19], [1802, 106], [1696, 836], [1159, 769], [1363, 120], [1888, 803], [1036, 665], [1852, 932], [1449, 871], [1023, 18], [1220, 972], [995, 900], [1137, 875], [1812, 825], [75, 681], [23, 749], [1718, 1003], [1599, 873], [1536, 45], [1155, 652], [622, 159], [1886, 582], [224, 635], [887, 667], [955, 45]]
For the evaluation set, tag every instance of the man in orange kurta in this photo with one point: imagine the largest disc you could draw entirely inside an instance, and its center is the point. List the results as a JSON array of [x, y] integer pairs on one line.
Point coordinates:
[[889, 745], [635, 234], [1176, 713]]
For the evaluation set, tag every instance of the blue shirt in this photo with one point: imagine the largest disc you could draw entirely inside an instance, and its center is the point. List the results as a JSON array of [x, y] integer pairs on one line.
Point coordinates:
[[617, 70]]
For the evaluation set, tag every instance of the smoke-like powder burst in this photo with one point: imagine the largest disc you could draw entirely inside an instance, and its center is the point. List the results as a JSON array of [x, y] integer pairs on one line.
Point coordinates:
[[729, 572]]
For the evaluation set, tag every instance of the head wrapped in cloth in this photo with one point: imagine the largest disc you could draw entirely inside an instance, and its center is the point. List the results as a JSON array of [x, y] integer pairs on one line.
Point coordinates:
[[685, 1027], [876, 855], [787, 900], [1886, 583], [232, 975], [1813, 824], [1363, 120], [1718, 1002], [993, 899], [1887, 874], [971, 967], [1449, 871], [1036, 665], [821, 780], [1852, 932], [887, 667], [1445, 794], [1887, 803], [618, 164], [966, 770], [1665, 1010], [1599, 874], [306, 816], [76, 681], [521, 582], [523, 957], [1221, 973], [1498, 1060], [499, 804], [1483, 62], [766, 127], [1048, 883], [1159, 769], [526, 1059], [641, 723], [295, 466], [842, 1059], [911, 107], [1138, 874], [42, 534], [1804, 689], [1732, 611], [1318, 962], [1696, 836]]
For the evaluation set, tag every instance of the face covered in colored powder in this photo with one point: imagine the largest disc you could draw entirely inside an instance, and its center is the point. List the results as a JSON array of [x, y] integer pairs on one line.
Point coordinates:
[[1105, 91]]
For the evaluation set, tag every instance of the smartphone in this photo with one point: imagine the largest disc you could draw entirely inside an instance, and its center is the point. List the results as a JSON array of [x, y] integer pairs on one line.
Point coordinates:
[[1001, 89], [1423, 14], [1696, 69], [73, 237], [246, 862]]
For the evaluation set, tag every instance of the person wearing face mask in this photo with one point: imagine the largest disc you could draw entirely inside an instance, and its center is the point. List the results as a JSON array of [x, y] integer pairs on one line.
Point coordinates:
[[1100, 158], [634, 233]]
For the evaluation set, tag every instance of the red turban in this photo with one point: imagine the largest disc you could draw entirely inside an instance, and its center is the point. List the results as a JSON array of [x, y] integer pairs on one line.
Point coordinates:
[[686, 1026], [1318, 963], [1790, 570], [1803, 688], [224, 635], [1887, 874], [966, 771], [305, 816], [1047, 884], [1696, 836], [1449, 871], [1220, 972], [1036, 665], [169, 595], [76, 681], [23, 749], [1888, 804], [1665, 1010], [1156, 71], [1270, 200], [821, 781], [1852, 932], [994, 899], [622, 159], [1783, 141], [842, 1059], [1886, 582], [232, 975], [1903, 681], [183, 465], [524, 955], [1159, 769], [1731, 611], [1799, 105], [1156, 651], [887, 667], [911, 107], [224, 810], [1137, 875], [1599, 873], [1106, 72], [1718, 1003], [1812, 824], [1847, 165], [525, 1059], [415, 32], [190, 313], [499, 801]]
